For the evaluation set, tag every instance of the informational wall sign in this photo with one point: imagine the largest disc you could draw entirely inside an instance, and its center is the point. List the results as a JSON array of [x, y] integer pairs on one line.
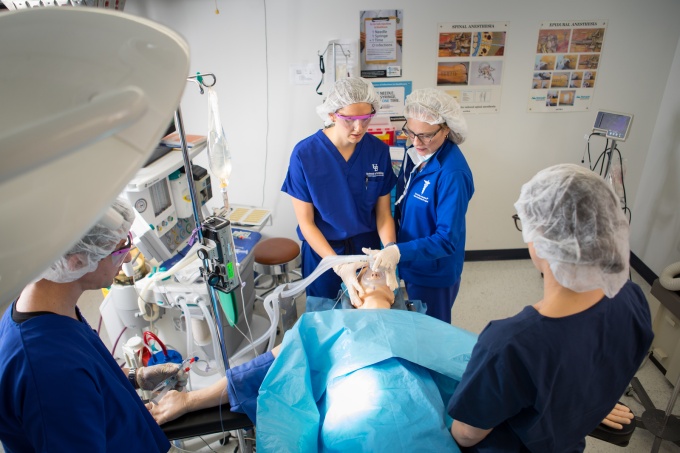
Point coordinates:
[[470, 63], [380, 42], [392, 98], [565, 68]]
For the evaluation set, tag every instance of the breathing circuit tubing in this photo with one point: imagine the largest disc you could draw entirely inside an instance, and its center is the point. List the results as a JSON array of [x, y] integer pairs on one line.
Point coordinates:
[[286, 290], [323, 266]]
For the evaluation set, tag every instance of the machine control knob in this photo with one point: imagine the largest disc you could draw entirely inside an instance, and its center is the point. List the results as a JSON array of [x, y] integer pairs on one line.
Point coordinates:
[[213, 279]]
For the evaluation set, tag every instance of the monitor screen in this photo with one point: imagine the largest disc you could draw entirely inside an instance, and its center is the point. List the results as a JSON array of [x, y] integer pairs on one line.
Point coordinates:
[[614, 125]]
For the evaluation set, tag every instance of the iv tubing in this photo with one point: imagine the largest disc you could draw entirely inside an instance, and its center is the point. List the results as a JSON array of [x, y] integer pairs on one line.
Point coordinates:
[[187, 318], [272, 309]]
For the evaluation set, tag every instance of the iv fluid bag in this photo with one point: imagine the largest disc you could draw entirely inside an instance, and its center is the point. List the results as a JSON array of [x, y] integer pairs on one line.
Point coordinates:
[[218, 149]]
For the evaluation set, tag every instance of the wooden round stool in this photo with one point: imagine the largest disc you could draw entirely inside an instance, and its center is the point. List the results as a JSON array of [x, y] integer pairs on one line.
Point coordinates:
[[277, 257]]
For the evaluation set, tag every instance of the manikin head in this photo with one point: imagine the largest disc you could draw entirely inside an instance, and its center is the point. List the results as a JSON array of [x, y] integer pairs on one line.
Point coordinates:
[[377, 294]]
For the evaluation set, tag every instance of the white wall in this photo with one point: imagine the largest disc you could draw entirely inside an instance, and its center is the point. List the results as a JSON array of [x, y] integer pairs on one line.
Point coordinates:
[[655, 229], [250, 46]]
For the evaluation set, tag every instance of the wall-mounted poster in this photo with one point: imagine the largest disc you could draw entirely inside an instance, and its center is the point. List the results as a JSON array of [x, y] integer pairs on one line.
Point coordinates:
[[380, 42], [470, 64], [566, 64], [392, 98]]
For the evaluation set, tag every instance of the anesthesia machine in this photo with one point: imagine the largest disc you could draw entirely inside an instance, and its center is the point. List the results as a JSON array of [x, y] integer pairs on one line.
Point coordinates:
[[172, 300]]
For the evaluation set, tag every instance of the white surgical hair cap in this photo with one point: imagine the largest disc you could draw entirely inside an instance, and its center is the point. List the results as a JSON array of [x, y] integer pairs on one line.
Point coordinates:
[[348, 91], [433, 106], [97, 244], [575, 221]]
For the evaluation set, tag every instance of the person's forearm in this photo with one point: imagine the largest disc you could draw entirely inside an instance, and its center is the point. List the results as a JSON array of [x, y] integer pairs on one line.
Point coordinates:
[[304, 213], [316, 240], [210, 396], [466, 435]]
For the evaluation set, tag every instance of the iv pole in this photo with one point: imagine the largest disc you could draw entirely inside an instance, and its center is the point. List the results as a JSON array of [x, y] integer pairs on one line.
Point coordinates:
[[198, 219]]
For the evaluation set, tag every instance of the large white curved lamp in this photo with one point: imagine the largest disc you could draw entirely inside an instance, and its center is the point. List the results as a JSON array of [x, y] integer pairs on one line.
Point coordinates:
[[85, 95]]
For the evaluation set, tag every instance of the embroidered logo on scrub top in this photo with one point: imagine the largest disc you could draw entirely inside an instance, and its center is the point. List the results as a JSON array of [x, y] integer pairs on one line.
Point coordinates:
[[420, 196], [375, 173]]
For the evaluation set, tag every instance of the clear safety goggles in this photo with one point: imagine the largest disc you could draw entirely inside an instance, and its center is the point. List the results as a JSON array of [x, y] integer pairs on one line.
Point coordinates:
[[363, 119], [118, 256]]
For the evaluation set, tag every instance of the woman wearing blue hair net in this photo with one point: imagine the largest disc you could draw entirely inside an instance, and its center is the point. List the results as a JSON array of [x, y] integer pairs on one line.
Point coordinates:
[[61, 388], [543, 379], [340, 180]]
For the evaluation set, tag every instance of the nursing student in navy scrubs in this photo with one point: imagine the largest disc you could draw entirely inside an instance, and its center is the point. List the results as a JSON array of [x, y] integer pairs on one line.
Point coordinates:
[[339, 180]]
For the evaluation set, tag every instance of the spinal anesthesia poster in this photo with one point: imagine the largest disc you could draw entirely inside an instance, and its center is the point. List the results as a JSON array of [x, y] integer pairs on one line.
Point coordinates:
[[470, 60]]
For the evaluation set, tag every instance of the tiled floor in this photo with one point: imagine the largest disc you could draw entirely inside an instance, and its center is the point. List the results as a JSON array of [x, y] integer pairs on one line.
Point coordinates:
[[489, 290]]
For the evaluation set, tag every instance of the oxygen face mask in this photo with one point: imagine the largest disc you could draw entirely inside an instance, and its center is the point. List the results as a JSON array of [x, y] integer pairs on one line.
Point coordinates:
[[371, 279]]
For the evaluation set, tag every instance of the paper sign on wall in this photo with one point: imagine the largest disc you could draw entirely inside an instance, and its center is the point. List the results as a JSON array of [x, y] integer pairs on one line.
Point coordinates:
[[567, 59], [470, 63], [380, 42]]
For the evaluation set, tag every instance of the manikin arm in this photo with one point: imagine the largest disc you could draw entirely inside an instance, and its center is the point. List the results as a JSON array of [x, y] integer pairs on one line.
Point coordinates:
[[175, 404], [619, 416]]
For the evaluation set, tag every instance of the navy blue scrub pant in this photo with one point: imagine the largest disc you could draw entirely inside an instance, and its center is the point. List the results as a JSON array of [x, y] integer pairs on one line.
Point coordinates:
[[439, 300]]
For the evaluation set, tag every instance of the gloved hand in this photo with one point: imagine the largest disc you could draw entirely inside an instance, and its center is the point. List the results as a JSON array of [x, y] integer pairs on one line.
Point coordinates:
[[149, 377], [386, 260], [348, 273]]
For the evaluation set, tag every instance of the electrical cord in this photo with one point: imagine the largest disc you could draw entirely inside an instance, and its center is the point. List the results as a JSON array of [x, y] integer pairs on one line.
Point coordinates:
[[587, 150], [322, 68], [222, 417], [604, 161], [626, 209], [243, 303], [206, 443], [117, 340]]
